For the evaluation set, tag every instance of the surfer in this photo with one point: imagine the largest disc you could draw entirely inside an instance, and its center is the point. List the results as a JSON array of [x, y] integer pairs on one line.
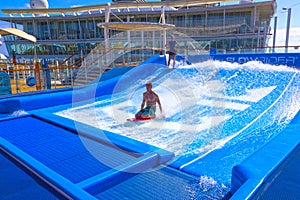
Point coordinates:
[[150, 98]]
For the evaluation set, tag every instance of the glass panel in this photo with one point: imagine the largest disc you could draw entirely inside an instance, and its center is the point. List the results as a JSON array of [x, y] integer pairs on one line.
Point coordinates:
[[42, 31], [29, 28], [91, 28], [53, 30], [61, 31]]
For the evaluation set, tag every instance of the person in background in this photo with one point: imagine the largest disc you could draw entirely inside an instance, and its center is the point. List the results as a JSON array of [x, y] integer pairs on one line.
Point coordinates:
[[172, 50]]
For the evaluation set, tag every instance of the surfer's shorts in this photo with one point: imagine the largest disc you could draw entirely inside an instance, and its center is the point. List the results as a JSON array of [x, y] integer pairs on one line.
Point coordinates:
[[172, 53], [148, 112]]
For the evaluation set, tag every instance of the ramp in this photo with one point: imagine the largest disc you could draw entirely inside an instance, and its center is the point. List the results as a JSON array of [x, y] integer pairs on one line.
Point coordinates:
[[71, 164]]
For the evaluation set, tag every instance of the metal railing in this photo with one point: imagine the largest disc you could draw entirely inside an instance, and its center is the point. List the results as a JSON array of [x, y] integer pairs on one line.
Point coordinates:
[[99, 60], [61, 76]]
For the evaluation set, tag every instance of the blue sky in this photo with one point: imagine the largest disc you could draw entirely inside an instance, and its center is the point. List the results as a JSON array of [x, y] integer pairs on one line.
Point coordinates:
[[281, 15], [294, 4]]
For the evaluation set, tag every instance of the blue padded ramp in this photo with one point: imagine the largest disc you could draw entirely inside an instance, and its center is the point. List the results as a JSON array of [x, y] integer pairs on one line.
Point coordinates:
[[114, 72], [11, 176], [158, 59], [164, 183], [285, 179], [59, 149], [71, 162], [248, 176]]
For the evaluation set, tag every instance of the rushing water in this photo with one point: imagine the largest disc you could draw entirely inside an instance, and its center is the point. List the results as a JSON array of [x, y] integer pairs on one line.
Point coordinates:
[[217, 113]]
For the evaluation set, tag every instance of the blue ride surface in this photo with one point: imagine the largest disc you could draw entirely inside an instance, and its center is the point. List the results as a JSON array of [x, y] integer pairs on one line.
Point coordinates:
[[77, 142]]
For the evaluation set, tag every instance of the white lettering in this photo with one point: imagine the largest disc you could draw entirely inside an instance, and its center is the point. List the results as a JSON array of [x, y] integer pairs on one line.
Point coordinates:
[[230, 59], [274, 60]]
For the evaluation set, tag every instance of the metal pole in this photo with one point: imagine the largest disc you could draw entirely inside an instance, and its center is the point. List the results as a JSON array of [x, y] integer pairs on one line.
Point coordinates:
[[288, 29], [106, 33], [274, 35], [129, 41], [163, 21]]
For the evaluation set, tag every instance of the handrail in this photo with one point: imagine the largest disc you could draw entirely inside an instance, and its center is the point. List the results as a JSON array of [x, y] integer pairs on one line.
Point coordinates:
[[64, 61], [98, 58]]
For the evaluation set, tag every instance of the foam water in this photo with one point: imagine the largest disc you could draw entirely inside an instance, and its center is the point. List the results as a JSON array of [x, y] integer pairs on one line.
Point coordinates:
[[19, 113]]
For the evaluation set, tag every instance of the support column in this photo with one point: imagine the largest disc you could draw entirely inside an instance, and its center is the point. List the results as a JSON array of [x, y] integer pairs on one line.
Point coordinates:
[[274, 35], [224, 20], [288, 30], [106, 33], [163, 21], [128, 38]]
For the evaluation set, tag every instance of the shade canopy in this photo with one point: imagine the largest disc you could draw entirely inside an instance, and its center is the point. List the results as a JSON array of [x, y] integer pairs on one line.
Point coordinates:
[[120, 5], [17, 32], [127, 26], [2, 57]]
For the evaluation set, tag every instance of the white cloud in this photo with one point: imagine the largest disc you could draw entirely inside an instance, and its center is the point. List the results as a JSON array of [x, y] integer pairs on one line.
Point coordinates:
[[294, 37], [74, 6], [27, 5]]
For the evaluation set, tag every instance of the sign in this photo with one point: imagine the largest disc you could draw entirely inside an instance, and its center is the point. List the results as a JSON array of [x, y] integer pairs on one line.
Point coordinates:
[[30, 81], [5, 87], [288, 59]]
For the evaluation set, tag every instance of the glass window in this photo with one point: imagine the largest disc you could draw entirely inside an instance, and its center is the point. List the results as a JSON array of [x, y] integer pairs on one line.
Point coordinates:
[[42, 31], [90, 29], [29, 28], [73, 31], [53, 30], [61, 30]]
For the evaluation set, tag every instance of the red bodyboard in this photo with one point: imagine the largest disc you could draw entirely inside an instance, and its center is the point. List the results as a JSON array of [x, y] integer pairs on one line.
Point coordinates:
[[140, 120]]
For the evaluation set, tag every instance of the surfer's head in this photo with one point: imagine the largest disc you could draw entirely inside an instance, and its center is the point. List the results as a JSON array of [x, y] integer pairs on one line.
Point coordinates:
[[148, 86]]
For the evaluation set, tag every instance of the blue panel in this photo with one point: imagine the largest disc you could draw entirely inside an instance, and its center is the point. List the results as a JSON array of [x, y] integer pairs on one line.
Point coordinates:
[[113, 177], [285, 179], [289, 59], [11, 176], [63, 151], [46, 175], [260, 165], [163, 183], [9, 106], [114, 72], [158, 59], [5, 87]]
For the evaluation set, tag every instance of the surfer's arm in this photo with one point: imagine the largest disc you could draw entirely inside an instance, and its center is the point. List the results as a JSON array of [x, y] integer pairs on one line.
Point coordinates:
[[143, 102], [159, 105]]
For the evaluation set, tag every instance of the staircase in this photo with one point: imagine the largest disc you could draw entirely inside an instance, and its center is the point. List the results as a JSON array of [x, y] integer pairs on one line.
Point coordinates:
[[93, 65]]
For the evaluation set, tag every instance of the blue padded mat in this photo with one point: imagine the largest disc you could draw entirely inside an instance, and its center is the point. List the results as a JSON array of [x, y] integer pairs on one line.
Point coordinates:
[[16, 184], [164, 183], [75, 158], [284, 183]]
